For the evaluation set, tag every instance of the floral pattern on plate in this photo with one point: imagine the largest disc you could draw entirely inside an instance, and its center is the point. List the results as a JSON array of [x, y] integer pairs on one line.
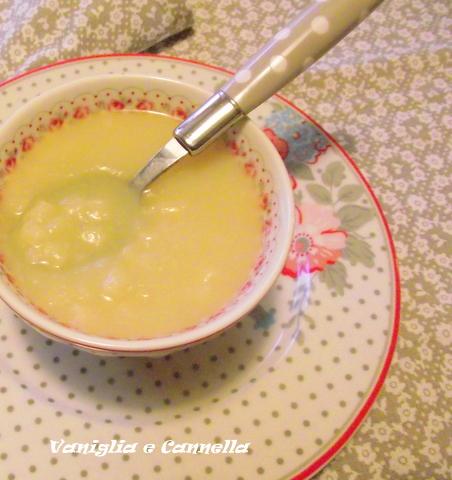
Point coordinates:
[[329, 217]]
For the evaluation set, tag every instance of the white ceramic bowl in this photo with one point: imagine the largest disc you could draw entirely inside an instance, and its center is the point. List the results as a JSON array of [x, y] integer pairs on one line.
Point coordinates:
[[72, 102]]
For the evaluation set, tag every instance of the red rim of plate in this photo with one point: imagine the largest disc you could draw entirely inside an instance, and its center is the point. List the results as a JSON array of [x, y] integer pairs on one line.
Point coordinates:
[[321, 461]]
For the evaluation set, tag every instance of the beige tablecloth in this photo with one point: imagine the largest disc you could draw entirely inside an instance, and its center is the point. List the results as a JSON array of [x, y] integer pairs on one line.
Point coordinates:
[[34, 33], [384, 94]]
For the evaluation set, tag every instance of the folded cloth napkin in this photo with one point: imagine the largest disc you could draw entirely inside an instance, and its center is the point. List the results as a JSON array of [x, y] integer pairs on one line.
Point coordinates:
[[34, 33]]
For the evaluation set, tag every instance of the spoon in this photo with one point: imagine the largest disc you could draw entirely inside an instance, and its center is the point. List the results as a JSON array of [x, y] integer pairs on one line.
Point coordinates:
[[291, 51]]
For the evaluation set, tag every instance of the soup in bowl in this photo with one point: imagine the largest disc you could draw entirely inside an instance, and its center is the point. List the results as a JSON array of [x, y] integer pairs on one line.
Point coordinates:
[[87, 260]]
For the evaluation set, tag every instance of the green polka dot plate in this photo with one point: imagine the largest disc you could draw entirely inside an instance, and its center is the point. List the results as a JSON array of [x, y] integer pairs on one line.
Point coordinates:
[[294, 379]]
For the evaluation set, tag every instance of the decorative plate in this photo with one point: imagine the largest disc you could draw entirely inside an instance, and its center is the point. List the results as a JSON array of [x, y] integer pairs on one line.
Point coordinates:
[[294, 379]]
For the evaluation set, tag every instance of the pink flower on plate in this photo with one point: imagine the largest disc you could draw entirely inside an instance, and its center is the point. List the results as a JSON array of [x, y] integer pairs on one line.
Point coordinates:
[[280, 144], [317, 242]]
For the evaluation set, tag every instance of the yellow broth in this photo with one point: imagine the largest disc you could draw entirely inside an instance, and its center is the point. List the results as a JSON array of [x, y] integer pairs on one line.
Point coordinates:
[[96, 256]]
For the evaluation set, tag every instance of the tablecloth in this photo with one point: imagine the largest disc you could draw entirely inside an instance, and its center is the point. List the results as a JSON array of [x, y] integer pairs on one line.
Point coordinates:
[[384, 92], [36, 33]]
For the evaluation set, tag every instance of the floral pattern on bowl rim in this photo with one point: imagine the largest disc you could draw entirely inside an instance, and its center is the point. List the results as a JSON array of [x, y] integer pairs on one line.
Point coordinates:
[[296, 378]]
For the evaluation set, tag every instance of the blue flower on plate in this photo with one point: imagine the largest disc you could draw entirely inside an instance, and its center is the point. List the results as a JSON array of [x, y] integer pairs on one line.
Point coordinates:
[[263, 319], [297, 141]]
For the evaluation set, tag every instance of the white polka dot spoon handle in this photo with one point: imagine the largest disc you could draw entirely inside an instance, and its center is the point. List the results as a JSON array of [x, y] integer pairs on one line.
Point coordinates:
[[291, 51]]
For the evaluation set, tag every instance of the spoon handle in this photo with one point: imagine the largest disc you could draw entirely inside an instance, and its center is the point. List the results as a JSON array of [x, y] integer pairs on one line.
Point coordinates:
[[291, 51]]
